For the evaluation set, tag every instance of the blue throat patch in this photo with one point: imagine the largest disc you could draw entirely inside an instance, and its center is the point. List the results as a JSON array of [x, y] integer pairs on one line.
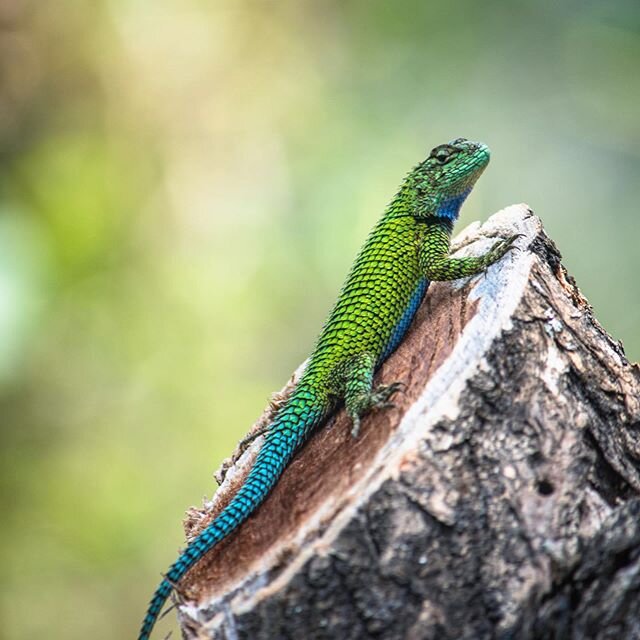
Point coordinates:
[[450, 208]]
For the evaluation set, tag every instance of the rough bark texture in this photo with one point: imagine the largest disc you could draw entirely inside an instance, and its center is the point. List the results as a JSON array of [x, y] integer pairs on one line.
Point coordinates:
[[501, 499]]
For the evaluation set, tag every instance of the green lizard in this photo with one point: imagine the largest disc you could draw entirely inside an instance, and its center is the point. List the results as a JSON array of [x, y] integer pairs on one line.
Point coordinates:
[[408, 248]]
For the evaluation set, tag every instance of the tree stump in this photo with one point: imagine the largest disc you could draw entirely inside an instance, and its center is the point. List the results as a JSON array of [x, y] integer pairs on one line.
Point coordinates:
[[499, 499]]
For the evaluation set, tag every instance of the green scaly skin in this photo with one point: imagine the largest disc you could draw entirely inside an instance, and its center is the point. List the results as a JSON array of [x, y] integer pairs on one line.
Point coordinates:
[[406, 249]]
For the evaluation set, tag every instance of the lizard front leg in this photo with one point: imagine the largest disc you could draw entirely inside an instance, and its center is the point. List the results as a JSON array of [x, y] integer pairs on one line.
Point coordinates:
[[435, 263]]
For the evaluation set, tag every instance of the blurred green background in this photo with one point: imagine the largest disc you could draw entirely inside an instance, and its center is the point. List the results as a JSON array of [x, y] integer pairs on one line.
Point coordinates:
[[183, 186]]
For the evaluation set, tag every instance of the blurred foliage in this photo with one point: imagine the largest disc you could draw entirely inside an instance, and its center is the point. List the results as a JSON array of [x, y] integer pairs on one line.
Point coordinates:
[[183, 185]]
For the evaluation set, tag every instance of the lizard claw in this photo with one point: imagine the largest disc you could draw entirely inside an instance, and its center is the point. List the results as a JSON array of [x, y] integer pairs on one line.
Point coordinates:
[[382, 393]]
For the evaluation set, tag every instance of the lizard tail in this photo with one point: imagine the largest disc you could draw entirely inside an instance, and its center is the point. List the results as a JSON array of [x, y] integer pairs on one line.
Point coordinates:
[[289, 429]]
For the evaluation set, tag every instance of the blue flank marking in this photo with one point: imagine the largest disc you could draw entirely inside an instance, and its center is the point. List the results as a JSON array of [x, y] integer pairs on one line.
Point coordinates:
[[405, 320], [451, 207]]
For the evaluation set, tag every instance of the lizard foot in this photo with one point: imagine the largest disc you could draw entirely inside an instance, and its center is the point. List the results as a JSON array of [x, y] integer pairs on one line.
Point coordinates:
[[379, 398], [244, 444], [501, 247]]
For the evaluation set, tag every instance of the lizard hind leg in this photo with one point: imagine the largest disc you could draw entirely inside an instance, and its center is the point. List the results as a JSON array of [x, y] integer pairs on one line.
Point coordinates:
[[360, 396]]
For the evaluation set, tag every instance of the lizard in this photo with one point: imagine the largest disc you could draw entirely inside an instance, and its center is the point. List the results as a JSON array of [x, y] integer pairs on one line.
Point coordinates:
[[406, 250]]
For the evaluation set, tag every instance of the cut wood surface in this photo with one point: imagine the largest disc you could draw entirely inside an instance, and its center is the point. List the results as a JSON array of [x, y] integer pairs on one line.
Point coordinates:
[[499, 499]]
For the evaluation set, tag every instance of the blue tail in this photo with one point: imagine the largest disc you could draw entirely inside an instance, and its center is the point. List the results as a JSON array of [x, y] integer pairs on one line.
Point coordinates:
[[289, 429]]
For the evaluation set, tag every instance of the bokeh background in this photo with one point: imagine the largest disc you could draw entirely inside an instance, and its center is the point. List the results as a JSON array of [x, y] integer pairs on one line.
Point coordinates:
[[183, 185]]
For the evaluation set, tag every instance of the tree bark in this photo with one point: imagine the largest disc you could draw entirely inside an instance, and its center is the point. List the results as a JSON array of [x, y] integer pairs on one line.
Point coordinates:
[[499, 499]]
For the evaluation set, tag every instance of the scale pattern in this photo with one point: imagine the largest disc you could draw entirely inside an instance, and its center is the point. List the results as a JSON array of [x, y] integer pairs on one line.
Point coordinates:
[[287, 431], [407, 317], [408, 247]]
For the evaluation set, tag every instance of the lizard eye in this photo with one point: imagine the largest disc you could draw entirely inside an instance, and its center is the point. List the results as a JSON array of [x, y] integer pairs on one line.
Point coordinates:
[[442, 154]]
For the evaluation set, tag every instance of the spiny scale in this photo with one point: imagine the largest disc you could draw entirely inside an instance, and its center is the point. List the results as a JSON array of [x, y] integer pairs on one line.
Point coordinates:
[[407, 248]]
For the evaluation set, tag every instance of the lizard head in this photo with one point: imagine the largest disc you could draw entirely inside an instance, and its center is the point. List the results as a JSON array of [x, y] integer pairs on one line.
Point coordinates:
[[446, 177]]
